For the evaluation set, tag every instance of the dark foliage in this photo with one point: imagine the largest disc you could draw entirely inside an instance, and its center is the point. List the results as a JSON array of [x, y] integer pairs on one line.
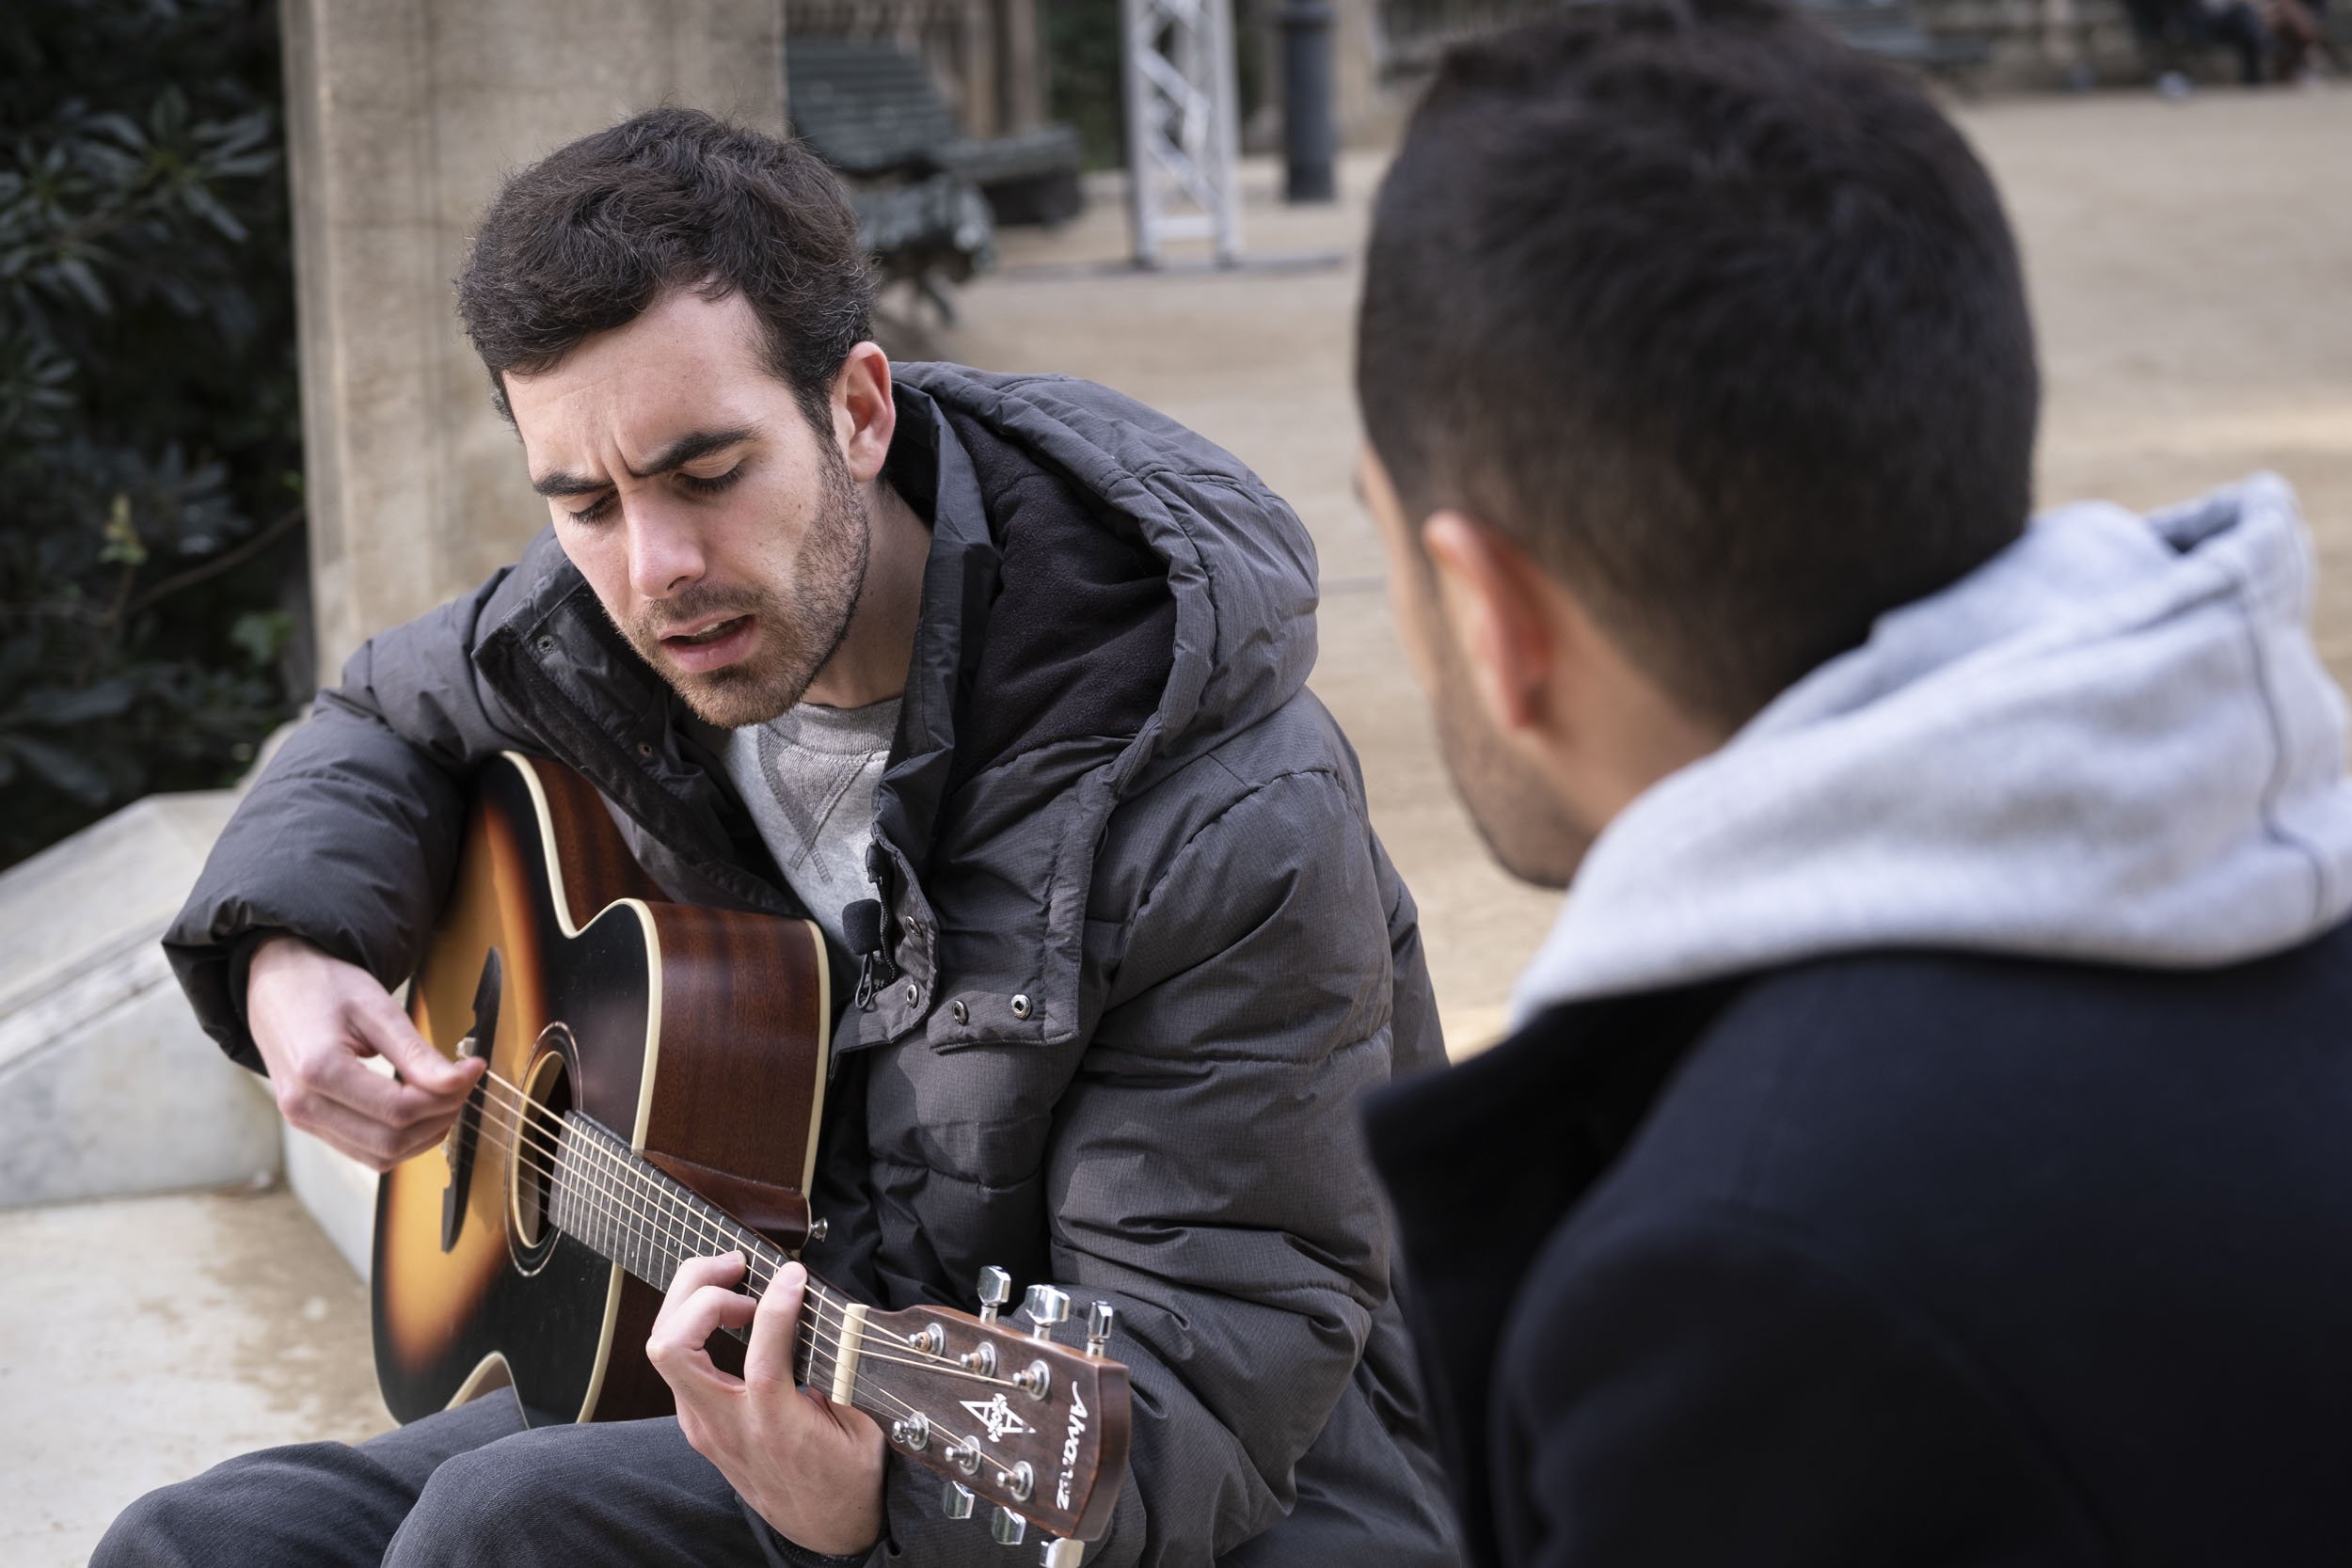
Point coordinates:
[[150, 427], [1082, 74]]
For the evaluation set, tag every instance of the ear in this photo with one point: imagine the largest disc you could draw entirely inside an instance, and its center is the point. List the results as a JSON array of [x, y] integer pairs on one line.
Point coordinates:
[[865, 416], [1498, 616]]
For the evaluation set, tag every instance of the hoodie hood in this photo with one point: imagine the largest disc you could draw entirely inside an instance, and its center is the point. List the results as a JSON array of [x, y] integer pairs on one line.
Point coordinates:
[[2114, 742]]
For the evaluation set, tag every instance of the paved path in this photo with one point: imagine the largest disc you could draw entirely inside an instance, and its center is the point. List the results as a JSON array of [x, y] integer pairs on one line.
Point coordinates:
[[2192, 266], [145, 1340]]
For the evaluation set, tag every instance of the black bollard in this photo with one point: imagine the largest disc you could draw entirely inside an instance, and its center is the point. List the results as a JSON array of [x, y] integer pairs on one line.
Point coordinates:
[[1309, 140]]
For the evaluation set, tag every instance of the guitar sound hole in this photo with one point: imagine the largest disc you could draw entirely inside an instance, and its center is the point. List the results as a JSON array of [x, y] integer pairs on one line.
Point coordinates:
[[548, 1087]]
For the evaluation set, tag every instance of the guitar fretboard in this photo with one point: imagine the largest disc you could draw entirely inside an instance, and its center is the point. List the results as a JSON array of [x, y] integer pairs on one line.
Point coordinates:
[[606, 1196]]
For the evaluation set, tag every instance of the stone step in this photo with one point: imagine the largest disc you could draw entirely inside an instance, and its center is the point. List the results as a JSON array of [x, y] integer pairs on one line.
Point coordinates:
[[107, 1087]]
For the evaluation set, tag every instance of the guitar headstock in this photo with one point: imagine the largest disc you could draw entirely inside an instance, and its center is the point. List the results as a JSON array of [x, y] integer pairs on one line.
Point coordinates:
[[1005, 1413]]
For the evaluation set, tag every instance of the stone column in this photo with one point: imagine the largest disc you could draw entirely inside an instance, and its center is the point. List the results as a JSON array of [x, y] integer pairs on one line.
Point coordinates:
[[1019, 67], [1367, 116], [1368, 111], [976, 54], [401, 115]]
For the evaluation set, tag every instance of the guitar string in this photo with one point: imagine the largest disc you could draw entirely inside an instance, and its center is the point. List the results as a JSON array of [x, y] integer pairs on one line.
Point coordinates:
[[891, 1350], [610, 1154], [827, 1313], [661, 1224], [821, 1297], [512, 1121], [875, 1345], [641, 1184], [810, 1368], [596, 1195]]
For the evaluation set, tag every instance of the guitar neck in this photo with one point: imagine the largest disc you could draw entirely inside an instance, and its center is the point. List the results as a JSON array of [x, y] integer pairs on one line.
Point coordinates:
[[1003, 1414], [604, 1194]]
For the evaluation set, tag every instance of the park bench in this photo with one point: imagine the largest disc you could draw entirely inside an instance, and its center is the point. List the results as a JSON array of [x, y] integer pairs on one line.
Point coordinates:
[[921, 231], [872, 112], [1890, 29]]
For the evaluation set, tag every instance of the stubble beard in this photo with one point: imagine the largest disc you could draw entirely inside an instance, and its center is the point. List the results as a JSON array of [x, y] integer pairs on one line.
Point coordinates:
[[800, 629], [1529, 831]]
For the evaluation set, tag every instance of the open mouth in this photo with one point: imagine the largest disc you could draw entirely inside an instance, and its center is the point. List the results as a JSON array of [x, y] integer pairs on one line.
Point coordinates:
[[708, 634], [711, 647]]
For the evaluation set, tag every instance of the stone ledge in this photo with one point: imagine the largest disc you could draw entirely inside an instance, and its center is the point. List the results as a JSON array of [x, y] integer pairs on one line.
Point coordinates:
[[107, 1087]]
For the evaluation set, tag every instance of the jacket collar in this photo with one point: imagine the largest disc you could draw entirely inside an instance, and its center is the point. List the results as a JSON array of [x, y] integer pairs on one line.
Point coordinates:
[[569, 678], [934, 472], [1483, 1160]]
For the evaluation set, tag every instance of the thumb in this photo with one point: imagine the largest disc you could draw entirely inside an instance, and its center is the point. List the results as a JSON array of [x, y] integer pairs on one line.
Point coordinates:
[[387, 1032]]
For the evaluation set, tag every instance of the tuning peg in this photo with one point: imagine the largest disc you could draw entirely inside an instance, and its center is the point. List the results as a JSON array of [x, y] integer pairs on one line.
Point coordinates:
[[1046, 1307], [1007, 1527], [996, 1289], [955, 1501], [1063, 1554], [1101, 1320]]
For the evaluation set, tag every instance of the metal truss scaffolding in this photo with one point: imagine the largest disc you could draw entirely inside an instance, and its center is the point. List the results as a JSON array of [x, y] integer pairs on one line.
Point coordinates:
[[1182, 125]]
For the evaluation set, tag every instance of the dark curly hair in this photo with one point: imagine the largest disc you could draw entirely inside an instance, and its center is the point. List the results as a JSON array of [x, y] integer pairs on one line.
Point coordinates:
[[589, 237]]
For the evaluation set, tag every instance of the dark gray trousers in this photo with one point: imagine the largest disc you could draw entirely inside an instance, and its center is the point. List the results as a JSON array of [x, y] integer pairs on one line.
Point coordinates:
[[469, 1485]]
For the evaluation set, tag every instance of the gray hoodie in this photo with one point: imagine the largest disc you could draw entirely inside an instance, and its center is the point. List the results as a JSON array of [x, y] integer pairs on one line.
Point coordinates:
[[2112, 742]]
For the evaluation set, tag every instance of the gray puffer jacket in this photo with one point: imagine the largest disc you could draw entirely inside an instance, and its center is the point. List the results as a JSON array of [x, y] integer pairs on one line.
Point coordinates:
[[1112, 798]]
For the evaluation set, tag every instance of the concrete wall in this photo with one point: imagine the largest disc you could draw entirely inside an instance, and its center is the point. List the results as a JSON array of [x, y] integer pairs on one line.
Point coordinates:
[[403, 115]]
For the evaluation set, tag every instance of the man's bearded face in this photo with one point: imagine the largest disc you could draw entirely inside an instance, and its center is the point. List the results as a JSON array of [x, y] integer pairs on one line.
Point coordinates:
[[788, 629], [720, 530]]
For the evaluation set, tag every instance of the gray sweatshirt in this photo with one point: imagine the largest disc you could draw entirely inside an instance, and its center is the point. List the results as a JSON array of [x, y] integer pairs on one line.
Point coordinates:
[[2113, 742]]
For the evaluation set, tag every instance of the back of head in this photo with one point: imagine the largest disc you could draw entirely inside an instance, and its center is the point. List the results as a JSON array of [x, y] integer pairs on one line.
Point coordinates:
[[589, 237], [1719, 320]]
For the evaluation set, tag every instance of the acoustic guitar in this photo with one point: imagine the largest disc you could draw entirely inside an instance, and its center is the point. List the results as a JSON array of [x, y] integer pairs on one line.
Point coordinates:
[[656, 1073]]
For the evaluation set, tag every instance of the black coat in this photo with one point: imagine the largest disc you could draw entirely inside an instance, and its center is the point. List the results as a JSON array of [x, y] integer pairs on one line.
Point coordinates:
[[1898, 1259]]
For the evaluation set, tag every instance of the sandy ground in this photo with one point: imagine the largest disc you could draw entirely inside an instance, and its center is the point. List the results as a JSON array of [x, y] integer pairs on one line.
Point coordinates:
[[2192, 268]]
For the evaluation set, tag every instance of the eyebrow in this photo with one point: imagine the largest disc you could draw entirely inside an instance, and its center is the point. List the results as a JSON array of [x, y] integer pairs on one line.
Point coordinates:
[[685, 450]]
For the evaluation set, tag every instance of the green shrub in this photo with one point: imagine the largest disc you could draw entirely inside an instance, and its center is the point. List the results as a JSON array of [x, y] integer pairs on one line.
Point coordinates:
[[150, 426]]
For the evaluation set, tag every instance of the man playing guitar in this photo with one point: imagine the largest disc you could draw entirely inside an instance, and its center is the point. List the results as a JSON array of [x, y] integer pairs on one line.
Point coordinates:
[[1000, 680]]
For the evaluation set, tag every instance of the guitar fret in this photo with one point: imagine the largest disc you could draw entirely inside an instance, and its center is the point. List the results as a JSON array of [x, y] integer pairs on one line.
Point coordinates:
[[642, 1221]]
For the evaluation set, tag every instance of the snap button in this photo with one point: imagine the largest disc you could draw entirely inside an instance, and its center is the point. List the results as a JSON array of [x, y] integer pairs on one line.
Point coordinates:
[[546, 645], [1020, 1006], [915, 993], [963, 1014], [644, 748]]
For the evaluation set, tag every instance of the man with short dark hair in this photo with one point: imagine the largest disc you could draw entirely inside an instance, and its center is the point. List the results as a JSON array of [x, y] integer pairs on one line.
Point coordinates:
[[1925, 1135], [1018, 666]]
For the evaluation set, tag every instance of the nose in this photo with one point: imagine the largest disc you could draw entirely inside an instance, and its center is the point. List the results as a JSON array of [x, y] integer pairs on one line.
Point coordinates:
[[665, 556]]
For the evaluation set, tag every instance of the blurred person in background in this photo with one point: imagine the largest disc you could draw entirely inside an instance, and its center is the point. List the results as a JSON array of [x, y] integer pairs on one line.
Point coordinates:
[[1924, 1139]]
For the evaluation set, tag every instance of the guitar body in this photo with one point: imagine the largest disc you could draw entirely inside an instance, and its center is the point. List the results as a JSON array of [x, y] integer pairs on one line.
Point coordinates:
[[697, 1035]]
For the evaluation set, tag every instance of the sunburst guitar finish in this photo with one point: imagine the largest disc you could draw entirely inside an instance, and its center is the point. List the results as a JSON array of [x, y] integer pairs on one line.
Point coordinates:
[[693, 1034]]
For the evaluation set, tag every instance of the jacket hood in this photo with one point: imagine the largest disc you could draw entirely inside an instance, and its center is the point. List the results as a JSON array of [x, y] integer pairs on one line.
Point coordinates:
[[1108, 596], [2114, 743], [1239, 564]]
